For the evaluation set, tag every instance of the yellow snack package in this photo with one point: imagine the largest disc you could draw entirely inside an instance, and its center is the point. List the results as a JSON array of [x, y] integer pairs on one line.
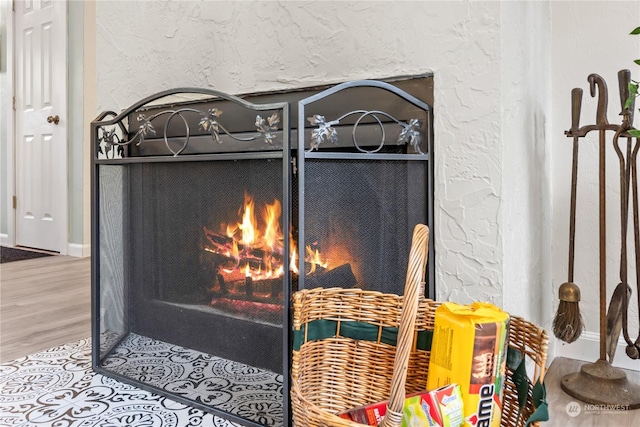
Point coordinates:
[[469, 348]]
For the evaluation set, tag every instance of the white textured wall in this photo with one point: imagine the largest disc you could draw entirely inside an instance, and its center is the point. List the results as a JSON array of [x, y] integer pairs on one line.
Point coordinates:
[[525, 199], [503, 76], [144, 47], [589, 37]]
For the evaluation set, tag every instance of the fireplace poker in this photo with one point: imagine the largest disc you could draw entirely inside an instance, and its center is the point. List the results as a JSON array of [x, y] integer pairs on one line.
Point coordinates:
[[568, 324], [618, 305], [596, 81]]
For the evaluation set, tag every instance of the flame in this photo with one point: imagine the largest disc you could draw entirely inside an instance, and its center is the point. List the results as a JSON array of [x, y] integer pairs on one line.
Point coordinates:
[[313, 258], [293, 265], [258, 242], [235, 253], [272, 233], [249, 232]]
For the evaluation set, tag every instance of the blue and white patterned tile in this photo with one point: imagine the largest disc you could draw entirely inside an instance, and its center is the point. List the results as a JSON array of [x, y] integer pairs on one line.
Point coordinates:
[[149, 362], [145, 414], [64, 357], [257, 407], [57, 388], [242, 390], [96, 400], [24, 391], [129, 406], [95, 403], [45, 411], [219, 383], [26, 383]]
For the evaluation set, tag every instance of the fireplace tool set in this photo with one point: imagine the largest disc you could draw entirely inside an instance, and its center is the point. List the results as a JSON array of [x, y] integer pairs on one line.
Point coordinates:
[[600, 382]]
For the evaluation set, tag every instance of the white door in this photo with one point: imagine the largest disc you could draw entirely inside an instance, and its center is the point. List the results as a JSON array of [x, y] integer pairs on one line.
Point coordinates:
[[40, 31]]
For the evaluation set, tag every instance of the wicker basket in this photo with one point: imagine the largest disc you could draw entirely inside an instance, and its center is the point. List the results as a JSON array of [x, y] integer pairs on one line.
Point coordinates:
[[332, 372]]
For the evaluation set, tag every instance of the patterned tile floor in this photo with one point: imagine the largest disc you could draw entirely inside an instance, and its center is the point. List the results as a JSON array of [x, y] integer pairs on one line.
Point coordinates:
[[58, 388], [246, 391]]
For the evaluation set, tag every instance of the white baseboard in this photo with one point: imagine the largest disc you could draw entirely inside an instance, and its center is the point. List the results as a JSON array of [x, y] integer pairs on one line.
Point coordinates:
[[587, 348], [78, 250], [4, 240]]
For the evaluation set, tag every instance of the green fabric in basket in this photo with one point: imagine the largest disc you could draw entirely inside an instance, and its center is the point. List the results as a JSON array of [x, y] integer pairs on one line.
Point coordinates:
[[322, 329]]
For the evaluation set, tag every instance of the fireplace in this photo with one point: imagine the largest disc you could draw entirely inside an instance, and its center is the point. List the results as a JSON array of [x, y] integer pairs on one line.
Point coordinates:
[[209, 210]]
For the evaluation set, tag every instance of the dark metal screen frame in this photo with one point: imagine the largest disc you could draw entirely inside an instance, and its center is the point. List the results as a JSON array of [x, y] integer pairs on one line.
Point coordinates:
[[291, 160], [120, 145]]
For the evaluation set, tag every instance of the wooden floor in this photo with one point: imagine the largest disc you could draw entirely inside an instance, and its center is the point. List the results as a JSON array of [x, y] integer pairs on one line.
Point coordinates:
[[44, 302]]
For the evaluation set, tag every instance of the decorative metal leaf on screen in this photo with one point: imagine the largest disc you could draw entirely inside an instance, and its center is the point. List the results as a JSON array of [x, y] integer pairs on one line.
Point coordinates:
[[409, 134], [209, 123], [324, 132], [110, 146], [108, 140], [145, 126], [267, 127]]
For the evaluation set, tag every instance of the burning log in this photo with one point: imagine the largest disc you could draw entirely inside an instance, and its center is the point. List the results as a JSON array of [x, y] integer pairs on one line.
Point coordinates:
[[223, 261], [223, 285], [341, 276], [249, 288], [246, 272], [238, 285], [222, 245]]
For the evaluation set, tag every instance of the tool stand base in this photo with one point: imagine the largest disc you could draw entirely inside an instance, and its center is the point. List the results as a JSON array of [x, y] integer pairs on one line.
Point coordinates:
[[602, 384]]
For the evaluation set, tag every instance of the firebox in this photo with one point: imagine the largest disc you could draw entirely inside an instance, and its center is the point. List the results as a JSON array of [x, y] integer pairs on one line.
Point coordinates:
[[210, 210]]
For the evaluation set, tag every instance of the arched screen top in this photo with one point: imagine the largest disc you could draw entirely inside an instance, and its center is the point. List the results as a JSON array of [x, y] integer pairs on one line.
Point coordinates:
[[364, 116], [190, 121]]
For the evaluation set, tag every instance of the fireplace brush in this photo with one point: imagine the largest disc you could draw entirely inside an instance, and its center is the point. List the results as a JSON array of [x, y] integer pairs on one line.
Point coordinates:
[[568, 324]]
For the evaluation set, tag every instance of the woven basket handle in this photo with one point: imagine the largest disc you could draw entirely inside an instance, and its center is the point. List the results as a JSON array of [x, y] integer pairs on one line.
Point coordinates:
[[412, 293]]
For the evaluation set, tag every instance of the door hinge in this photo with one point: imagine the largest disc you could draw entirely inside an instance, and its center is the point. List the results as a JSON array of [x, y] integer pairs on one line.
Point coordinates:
[[15, 202], [14, 102]]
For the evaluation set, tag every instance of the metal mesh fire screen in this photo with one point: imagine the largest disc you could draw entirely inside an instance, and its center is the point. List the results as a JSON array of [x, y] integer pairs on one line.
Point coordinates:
[[204, 224]]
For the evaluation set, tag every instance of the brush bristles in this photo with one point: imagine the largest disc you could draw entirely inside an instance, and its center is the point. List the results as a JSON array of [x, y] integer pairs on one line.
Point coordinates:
[[568, 324]]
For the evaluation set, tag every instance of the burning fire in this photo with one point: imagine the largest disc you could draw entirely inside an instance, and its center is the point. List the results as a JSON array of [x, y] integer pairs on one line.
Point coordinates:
[[254, 248], [314, 258]]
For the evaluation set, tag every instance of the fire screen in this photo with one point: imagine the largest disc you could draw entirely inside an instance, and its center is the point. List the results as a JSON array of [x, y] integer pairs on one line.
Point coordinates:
[[364, 181], [210, 210]]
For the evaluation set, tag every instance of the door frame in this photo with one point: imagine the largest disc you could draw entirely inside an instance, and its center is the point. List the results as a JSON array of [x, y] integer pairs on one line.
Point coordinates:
[[9, 119], [12, 170]]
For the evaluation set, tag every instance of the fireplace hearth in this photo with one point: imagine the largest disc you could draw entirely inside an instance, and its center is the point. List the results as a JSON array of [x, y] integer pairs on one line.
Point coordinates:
[[210, 210]]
